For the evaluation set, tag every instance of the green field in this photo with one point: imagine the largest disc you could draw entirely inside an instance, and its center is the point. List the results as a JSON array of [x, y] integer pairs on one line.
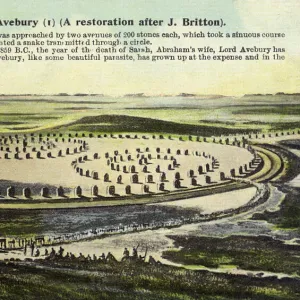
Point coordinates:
[[248, 253], [202, 114], [64, 279]]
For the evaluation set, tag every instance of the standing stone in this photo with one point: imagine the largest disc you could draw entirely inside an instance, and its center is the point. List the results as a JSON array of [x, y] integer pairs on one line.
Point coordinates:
[[135, 178], [106, 177], [10, 192], [191, 173], [161, 187], [222, 176], [146, 188], [207, 167], [177, 175], [232, 172], [95, 191], [174, 163], [163, 177], [177, 184], [27, 192], [45, 192], [119, 179], [78, 191], [208, 179], [128, 190], [241, 170], [111, 190], [150, 178]]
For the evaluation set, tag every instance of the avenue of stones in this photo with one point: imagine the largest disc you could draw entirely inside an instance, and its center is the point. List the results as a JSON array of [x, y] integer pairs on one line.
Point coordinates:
[[57, 166]]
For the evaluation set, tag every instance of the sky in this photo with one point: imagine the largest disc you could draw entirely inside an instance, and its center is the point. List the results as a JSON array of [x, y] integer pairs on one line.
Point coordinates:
[[226, 78]]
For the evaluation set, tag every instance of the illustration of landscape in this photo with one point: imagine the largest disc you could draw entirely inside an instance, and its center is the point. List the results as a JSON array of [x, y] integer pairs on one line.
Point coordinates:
[[185, 196]]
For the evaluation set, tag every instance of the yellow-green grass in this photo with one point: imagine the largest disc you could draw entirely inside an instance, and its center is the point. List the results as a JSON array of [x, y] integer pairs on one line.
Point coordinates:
[[273, 166]]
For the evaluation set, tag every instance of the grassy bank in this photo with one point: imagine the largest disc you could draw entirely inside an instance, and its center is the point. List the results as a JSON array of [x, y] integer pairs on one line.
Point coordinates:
[[245, 252], [288, 216], [91, 280]]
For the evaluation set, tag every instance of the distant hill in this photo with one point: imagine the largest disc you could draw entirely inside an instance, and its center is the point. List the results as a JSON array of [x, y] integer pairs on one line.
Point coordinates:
[[200, 95], [186, 95], [124, 123], [287, 94], [62, 94], [277, 94], [257, 95], [86, 95], [137, 95]]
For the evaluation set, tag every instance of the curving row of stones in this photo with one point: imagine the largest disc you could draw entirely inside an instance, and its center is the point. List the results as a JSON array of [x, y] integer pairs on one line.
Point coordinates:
[[135, 165], [30, 150]]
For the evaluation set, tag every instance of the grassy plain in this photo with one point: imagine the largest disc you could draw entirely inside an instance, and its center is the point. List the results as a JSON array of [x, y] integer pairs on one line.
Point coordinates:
[[245, 252], [191, 114], [70, 280]]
